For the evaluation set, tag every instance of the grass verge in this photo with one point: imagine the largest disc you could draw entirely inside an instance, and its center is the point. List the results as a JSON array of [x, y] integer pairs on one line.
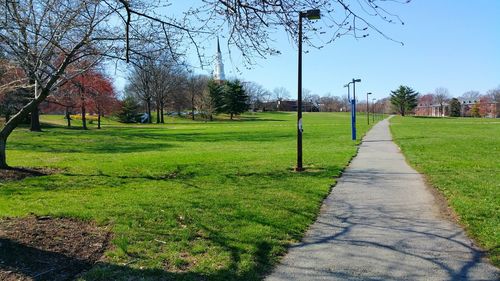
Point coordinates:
[[460, 157]]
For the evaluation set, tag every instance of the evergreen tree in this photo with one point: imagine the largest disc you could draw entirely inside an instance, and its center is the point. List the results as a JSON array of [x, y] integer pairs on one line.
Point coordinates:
[[236, 100], [404, 99], [216, 93], [129, 113], [455, 107]]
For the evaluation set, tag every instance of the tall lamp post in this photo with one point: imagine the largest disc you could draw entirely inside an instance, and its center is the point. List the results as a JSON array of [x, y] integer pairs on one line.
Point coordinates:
[[353, 105], [368, 108], [311, 15]]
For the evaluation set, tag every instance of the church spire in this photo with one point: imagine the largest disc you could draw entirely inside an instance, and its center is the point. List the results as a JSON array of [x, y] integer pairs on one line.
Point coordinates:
[[219, 66]]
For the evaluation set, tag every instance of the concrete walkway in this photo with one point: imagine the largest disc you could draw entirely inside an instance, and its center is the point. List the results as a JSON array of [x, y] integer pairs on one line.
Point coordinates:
[[381, 223]]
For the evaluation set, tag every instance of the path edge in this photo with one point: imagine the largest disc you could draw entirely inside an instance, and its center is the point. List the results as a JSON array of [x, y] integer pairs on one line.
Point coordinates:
[[443, 205]]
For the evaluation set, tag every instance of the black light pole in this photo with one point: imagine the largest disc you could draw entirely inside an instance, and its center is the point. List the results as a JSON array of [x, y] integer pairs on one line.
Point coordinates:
[[311, 15], [368, 108]]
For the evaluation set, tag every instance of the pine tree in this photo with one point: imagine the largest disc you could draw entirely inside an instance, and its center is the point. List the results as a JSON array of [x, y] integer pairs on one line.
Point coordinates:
[[455, 108], [404, 99], [129, 113], [216, 93], [236, 100]]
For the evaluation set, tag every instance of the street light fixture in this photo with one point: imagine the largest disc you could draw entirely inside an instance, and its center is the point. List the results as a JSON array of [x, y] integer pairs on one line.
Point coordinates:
[[313, 14], [353, 105], [368, 108]]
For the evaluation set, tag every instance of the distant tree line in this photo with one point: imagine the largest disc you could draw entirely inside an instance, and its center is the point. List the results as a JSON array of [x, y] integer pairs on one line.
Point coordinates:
[[471, 103], [169, 88]]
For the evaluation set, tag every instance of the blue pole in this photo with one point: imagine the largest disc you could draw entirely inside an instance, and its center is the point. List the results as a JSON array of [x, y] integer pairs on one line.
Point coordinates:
[[354, 109], [353, 117]]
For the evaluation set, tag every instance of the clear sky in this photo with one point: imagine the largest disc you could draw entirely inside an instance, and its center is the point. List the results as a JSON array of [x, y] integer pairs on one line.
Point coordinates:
[[447, 43]]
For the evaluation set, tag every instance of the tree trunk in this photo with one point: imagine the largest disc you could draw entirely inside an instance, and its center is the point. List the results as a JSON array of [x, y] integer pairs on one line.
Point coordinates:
[[3, 146], [149, 111], [162, 114], [35, 120], [157, 113], [98, 118], [68, 117], [84, 120], [192, 107], [12, 124], [231, 116]]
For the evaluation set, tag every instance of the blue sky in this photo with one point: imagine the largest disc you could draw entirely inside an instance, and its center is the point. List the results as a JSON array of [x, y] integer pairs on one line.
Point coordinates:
[[447, 43]]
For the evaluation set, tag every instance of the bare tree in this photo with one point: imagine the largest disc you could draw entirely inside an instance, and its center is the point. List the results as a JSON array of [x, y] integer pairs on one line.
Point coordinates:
[[257, 94], [329, 103], [205, 104], [441, 96], [44, 38], [141, 83], [280, 93], [165, 74], [494, 94], [196, 86], [472, 96], [250, 24]]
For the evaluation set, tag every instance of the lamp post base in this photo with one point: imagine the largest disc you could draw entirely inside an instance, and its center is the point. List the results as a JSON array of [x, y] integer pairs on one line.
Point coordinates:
[[299, 169]]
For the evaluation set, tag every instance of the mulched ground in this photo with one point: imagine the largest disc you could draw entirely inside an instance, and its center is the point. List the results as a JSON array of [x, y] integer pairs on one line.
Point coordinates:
[[46, 248], [21, 173]]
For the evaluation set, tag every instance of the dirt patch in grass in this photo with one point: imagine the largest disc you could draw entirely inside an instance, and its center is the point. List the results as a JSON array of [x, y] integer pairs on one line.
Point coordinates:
[[46, 248], [21, 173]]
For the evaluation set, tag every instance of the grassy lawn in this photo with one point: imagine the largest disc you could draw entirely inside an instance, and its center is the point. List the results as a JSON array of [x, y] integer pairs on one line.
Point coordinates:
[[186, 200], [460, 157]]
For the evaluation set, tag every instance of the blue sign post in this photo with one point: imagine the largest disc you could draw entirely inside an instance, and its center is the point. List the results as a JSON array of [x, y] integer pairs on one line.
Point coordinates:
[[353, 119]]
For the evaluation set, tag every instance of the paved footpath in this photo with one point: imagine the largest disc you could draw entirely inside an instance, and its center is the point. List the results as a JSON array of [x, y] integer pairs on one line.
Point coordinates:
[[381, 223]]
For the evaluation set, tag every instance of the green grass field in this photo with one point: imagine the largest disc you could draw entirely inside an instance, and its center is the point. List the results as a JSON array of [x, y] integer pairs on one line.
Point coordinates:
[[185, 200], [460, 157]]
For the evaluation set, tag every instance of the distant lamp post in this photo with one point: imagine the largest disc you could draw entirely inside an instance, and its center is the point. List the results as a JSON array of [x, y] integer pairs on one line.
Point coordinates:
[[368, 108], [353, 105], [311, 15]]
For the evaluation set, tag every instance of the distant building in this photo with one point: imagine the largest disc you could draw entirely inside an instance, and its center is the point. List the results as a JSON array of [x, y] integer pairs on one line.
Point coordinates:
[[466, 107], [289, 105], [435, 110], [487, 108], [219, 66]]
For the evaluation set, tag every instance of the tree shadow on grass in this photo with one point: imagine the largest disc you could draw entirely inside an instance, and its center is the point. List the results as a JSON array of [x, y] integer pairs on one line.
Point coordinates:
[[140, 141], [18, 262], [340, 227], [264, 251], [23, 262]]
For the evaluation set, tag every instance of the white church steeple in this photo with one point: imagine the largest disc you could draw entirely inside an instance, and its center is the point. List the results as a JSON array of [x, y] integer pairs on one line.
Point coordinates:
[[219, 66]]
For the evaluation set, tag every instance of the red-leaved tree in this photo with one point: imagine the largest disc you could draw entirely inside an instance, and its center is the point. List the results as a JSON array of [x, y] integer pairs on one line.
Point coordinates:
[[91, 92]]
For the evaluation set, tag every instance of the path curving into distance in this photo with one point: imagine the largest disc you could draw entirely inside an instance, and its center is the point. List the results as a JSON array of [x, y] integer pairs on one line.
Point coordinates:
[[381, 223]]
